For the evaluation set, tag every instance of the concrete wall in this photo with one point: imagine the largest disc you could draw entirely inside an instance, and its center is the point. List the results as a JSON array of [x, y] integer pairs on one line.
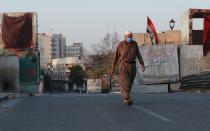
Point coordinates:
[[185, 29], [93, 86], [192, 60], [138, 87], [168, 37], [161, 64], [173, 37], [9, 73]]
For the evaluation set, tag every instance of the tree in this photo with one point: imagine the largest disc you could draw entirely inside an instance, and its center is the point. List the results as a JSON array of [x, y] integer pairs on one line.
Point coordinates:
[[77, 75], [104, 53], [108, 44]]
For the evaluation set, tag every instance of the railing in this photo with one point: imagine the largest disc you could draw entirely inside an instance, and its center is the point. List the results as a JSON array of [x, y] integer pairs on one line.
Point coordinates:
[[4, 97]]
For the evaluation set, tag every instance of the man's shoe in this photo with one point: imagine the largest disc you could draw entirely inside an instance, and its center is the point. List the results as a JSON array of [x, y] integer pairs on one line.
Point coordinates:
[[128, 102]]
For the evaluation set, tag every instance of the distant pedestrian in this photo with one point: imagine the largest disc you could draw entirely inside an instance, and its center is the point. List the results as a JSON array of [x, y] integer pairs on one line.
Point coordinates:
[[127, 52], [46, 82]]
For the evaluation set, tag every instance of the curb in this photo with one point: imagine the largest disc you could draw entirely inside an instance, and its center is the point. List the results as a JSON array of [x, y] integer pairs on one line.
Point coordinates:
[[8, 96]]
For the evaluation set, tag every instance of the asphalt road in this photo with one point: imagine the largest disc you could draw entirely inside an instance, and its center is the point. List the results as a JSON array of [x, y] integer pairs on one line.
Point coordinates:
[[105, 112]]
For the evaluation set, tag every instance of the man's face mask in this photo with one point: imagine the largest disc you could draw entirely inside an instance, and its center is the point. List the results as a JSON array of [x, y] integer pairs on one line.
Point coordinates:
[[129, 40]]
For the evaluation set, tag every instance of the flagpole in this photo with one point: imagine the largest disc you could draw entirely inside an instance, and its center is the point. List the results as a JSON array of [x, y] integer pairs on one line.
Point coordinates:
[[151, 39]]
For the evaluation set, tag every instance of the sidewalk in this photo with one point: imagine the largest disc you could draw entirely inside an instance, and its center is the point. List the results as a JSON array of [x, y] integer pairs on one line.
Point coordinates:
[[7, 96]]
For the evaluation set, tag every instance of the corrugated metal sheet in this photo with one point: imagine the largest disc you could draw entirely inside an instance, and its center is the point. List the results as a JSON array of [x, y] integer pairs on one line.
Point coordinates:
[[200, 80]]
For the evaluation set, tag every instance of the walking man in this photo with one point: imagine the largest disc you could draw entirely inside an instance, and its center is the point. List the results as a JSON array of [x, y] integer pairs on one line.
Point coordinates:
[[127, 52]]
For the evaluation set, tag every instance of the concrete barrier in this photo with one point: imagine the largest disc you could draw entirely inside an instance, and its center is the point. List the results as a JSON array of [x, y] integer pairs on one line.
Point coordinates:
[[161, 68], [192, 60], [161, 64], [194, 67], [93, 86], [139, 87]]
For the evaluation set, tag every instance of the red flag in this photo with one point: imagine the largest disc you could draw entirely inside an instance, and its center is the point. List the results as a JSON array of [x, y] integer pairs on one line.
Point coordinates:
[[206, 35], [152, 31]]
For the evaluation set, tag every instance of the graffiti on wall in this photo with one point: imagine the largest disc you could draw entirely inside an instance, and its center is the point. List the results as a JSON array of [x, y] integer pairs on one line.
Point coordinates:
[[192, 60], [161, 64]]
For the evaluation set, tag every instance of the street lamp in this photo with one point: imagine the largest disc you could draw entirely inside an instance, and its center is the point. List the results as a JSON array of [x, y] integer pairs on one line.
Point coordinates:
[[172, 23], [110, 84]]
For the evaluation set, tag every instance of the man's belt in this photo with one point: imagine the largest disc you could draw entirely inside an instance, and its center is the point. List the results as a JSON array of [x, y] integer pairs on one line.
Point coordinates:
[[129, 62]]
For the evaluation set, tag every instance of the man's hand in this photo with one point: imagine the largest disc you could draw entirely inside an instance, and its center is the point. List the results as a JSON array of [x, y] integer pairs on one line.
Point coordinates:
[[142, 68]]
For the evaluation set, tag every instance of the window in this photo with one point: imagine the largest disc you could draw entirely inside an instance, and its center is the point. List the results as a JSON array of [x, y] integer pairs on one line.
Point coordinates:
[[198, 23]]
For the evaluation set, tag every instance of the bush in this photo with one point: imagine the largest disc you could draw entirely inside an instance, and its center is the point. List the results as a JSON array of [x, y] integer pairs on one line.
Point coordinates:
[[77, 75]]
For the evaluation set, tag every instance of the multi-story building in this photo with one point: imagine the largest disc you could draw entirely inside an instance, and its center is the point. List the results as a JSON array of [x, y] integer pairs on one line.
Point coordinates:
[[74, 50], [45, 48], [61, 66], [51, 46], [58, 46]]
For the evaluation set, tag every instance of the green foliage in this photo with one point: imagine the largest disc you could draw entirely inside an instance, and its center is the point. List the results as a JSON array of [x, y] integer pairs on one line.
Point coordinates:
[[104, 53], [77, 75], [102, 65], [42, 72]]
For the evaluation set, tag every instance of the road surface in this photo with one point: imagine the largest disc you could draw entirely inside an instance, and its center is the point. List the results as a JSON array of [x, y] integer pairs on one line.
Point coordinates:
[[105, 112]]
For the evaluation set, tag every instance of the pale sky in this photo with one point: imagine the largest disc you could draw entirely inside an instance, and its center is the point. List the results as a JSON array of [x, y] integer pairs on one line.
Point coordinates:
[[88, 21]]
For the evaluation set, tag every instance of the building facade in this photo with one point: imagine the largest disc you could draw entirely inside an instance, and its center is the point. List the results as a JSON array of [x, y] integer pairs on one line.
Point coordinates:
[[61, 65], [45, 49], [51, 46], [75, 50], [58, 46], [190, 35]]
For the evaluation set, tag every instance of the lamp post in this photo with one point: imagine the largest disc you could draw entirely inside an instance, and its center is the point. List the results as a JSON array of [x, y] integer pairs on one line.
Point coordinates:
[[172, 23], [110, 84]]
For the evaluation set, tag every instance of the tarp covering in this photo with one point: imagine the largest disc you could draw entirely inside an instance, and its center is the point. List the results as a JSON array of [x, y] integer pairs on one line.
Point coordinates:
[[17, 31], [206, 35], [29, 68]]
